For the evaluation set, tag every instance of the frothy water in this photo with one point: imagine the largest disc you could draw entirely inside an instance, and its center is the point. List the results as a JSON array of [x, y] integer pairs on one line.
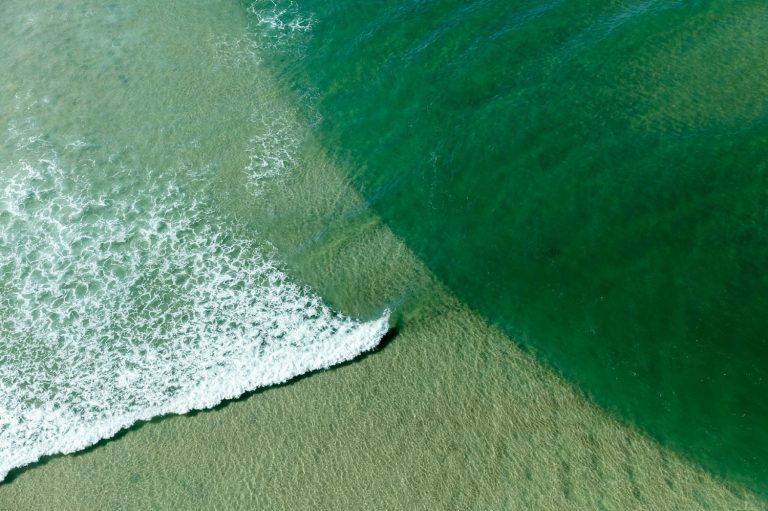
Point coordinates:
[[284, 19], [125, 297], [126, 290], [273, 150]]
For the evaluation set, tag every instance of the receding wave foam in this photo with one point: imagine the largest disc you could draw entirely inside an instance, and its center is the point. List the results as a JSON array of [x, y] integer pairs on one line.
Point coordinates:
[[285, 19], [274, 28], [123, 298]]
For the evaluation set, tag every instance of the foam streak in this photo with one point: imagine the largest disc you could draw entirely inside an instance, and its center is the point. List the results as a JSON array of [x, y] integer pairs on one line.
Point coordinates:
[[121, 300]]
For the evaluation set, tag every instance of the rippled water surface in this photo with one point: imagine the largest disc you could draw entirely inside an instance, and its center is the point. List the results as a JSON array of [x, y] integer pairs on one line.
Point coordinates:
[[590, 176], [201, 198], [126, 292]]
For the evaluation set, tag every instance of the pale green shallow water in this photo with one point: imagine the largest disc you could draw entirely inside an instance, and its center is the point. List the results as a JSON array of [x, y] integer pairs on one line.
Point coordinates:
[[448, 415]]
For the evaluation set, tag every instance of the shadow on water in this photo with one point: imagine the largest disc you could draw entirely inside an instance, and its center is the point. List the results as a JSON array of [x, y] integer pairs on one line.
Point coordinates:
[[385, 341]]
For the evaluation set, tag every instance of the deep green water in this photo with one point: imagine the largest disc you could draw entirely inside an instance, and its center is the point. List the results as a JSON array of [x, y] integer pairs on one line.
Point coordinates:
[[199, 198], [589, 175]]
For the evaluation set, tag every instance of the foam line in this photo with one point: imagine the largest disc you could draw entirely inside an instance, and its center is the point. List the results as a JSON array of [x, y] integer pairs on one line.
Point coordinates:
[[122, 298]]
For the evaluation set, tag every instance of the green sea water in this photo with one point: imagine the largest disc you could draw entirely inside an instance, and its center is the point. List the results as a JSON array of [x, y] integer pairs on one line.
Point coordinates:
[[180, 223], [590, 176], [130, 286]]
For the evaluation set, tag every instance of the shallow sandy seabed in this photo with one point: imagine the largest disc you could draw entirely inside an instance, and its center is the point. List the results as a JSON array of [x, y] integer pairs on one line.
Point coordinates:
[[449, 414]]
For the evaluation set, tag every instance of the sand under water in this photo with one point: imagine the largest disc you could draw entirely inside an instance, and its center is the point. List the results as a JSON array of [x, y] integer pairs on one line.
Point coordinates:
[[448, 413]]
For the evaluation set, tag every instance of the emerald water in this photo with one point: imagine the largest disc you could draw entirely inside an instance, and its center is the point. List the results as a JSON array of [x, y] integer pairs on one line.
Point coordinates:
[[590, 176], [199, 199]]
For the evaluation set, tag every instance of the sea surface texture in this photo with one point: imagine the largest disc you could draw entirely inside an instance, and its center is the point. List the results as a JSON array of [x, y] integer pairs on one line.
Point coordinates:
[[562, 203], [589, 175], [124, 293]]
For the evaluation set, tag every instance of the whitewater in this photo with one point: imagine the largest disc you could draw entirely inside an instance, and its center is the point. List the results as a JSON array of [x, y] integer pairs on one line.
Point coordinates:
[[121, 301], [125, 292]]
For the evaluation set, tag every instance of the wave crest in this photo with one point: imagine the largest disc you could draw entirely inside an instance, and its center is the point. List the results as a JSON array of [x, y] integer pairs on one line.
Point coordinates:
[[121, 299]]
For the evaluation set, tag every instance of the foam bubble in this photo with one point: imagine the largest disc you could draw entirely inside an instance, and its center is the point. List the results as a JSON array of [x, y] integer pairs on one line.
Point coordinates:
[[283, 17], [123, 297], [279, 28], [273, 150]]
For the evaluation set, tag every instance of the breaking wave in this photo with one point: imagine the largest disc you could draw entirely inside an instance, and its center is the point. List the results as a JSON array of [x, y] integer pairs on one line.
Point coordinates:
[[123, 297]]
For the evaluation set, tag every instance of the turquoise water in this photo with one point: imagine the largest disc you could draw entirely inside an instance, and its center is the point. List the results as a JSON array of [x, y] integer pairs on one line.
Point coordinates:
[[196, 201], [590, 176]]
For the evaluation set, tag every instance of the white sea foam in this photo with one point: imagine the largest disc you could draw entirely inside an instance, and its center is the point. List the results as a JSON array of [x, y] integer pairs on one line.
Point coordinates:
[[123, 298], [281, 16], [273, 150], [279, 28]]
